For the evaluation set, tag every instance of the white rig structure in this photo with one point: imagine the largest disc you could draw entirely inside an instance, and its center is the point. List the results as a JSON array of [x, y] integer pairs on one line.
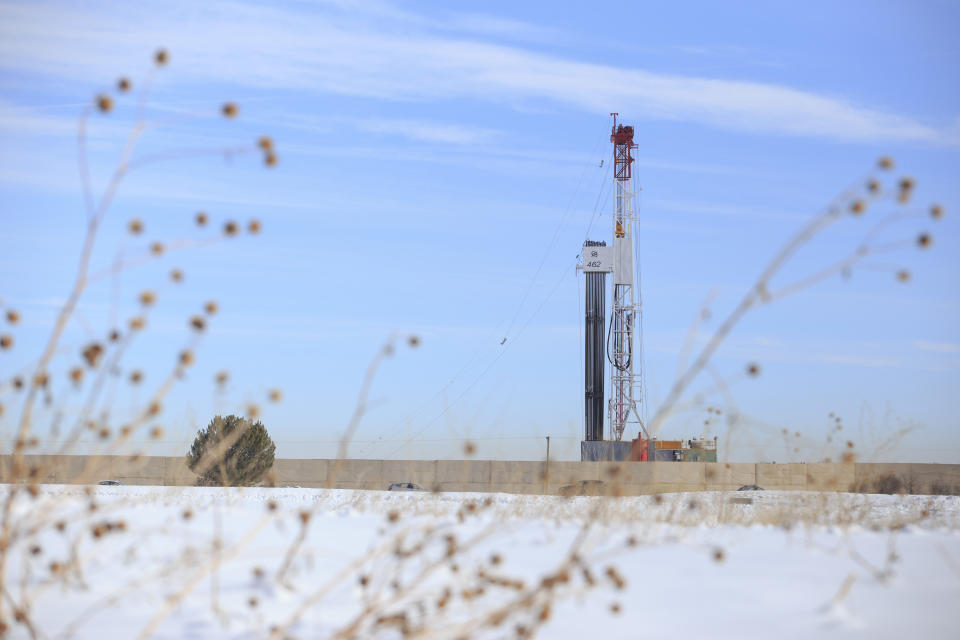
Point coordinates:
[[619, 345]]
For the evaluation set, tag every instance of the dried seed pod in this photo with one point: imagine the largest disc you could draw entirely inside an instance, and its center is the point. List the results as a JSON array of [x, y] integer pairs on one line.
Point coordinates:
[[104, 103], [615, 577], [544, 614], [92, 353], [906, 189]]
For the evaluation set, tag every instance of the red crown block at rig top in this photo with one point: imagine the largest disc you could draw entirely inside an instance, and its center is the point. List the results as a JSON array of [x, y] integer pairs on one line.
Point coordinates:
[[618, 342]]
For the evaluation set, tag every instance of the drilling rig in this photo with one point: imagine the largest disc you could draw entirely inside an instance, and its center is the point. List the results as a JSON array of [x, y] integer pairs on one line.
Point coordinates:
[[616, 344]]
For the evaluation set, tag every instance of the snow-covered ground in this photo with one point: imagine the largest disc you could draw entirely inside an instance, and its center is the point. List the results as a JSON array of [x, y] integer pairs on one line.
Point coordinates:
[[308, 563]]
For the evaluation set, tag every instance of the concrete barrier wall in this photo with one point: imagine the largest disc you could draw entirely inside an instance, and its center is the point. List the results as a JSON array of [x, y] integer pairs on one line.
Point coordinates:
[[630, 478]]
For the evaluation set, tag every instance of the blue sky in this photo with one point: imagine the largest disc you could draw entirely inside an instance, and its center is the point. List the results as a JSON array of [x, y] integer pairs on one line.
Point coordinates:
[[439, 169]]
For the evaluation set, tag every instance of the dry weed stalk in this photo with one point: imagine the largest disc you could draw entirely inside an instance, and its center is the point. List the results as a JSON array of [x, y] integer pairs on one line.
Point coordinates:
[[100, 358], [854, 202]]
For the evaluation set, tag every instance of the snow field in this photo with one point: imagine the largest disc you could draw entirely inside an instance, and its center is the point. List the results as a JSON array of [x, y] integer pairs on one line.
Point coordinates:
[[306, 563]]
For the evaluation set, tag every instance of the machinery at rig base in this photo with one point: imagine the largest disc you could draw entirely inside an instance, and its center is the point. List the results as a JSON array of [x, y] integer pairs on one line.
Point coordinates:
[[618, 343]]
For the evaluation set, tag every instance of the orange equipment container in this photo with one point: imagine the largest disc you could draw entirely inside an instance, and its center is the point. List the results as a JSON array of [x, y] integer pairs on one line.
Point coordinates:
[[669, 444]]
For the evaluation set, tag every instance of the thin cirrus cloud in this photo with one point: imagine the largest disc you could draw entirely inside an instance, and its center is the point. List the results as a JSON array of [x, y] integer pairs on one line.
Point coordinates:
[[936, 347], [427, 131], [856, 360], [343, 49], [411, 129], [25, 121]]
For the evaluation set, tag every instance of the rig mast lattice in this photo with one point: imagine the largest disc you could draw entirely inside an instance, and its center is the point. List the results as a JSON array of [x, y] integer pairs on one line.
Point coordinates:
[[625, 378]]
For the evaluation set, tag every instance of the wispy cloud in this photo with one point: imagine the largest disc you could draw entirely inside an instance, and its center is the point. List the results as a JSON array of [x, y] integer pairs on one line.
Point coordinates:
[[855, 360], [741, 54], [18, 120], [347, 49], [22, 120], [936, 347], [725, 210], [483, 24], [427, 131]]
